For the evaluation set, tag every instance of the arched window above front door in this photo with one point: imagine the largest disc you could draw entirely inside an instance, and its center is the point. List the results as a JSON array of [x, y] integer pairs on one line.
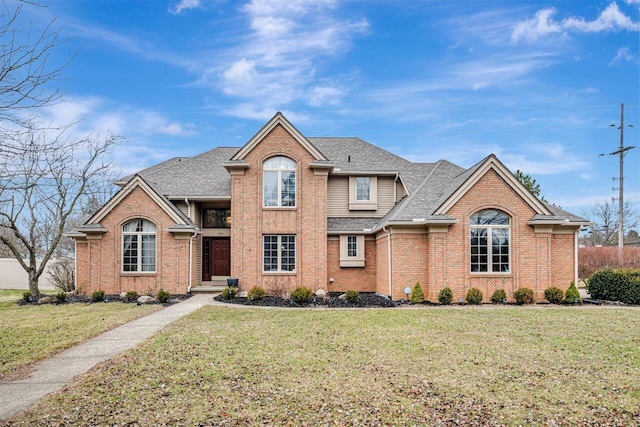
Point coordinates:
[[279, 182]]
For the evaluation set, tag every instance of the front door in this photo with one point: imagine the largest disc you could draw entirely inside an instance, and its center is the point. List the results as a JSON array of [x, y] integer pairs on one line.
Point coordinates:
[[215, 257]]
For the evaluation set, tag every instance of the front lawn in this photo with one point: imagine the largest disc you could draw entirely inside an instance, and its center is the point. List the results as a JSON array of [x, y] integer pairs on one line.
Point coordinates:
[[472, 366], [33, 332]]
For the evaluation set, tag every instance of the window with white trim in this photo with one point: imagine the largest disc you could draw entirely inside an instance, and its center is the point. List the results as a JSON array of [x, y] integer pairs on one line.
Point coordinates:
[[279, 182], [490, 242], [352, 251], [363, 193], [139, 246], [279, 253], [363, 189]]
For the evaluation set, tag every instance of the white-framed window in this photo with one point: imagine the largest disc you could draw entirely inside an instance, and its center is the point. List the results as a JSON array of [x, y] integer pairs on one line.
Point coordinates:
[[363, 193], [279, 182], [363, 189], [279, 253], [352, 251], [139, 246], [490, 242]]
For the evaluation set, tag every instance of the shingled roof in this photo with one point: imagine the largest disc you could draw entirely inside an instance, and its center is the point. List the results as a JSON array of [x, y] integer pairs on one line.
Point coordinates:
[[428, 185]]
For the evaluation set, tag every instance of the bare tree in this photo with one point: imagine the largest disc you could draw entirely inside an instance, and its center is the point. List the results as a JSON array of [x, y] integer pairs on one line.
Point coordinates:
[[25, 71], [605, 219], [42, 188]]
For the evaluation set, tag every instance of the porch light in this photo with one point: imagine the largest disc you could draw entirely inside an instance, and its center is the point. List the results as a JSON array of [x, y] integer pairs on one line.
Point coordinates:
[[227, 220]]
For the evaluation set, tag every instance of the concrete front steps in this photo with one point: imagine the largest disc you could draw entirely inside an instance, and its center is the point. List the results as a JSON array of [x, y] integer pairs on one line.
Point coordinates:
[[214, 286]]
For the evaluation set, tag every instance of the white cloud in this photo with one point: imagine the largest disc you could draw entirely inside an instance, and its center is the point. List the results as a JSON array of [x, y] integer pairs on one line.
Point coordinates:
[[623, 55], [543, 24], [280, 61], [184, 5]]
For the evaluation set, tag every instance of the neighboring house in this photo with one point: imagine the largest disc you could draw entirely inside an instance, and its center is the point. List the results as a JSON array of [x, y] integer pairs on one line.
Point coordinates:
[[327, 213]]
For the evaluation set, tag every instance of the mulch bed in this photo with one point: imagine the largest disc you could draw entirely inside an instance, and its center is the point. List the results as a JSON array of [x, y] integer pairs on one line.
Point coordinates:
[[331, 300], [86, 299]]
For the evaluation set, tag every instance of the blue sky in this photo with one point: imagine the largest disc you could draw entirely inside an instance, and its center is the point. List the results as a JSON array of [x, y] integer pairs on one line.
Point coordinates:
[[535, 82]]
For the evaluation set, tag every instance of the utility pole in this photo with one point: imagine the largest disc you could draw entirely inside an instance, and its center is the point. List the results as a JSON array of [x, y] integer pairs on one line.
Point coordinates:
[[621, 152]]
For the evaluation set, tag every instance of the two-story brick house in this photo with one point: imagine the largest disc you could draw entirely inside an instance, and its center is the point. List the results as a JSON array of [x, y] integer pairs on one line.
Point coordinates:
[[326, 213]]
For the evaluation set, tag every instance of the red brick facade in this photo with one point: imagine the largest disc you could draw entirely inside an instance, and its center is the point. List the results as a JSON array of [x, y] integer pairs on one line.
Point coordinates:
[[396, 255], [99, 259]]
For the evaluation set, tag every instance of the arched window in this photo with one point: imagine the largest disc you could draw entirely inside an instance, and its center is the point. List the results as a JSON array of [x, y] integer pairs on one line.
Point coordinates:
[[139, 246], [490, 242], [279, 182]]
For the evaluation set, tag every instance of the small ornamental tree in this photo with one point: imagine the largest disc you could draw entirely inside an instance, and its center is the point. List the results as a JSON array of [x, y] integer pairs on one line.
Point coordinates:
[[417, 295], [572, 295]]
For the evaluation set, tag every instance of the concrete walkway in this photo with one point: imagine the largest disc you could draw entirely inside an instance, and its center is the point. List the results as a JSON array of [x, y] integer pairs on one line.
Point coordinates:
[[60, 370]]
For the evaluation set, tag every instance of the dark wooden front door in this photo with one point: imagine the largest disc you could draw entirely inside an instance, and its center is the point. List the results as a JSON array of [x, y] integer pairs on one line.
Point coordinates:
[[215, 257]]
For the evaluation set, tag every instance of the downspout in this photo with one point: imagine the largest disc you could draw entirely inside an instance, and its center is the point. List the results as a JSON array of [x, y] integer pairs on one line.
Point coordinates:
[[575, 257], [75, 266], [384, 228]]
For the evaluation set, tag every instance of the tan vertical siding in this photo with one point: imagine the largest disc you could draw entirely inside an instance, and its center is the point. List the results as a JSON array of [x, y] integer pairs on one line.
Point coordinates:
[[338, 198]]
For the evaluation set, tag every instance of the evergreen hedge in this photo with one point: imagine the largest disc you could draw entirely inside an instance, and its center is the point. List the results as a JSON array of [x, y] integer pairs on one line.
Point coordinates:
[[616, 285]]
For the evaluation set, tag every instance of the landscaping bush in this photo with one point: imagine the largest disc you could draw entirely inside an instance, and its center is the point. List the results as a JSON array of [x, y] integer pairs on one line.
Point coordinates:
[[61, 296], [131, 296], [163, 296], [445, 296], [352, 296], [474, 296], [572, 296], [256, 293], [26, 296], [62, 274], [417, 295], [616, 285], [97, 296], [229, 292], [302, 295], [523, 296], [554, 295], [499, 296]]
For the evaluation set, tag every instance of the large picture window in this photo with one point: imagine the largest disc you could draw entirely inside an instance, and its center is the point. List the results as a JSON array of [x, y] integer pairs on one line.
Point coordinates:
[[279, 182], [490, 242], [139, 246], [279, 253]]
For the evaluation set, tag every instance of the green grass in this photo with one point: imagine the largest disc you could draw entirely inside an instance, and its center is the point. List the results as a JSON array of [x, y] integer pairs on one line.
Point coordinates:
[[504, 366], [33, 332]]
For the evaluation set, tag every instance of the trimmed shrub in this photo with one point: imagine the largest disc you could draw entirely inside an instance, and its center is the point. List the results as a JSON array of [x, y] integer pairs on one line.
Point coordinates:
[[131, 296], [573, 295], [26, 296], [523, 296], [417, 295], [256, 293], [302, 295], [229, 292], [474, 296], [616, 285], [61, 296], [97, 296], [163, 296], [554, 295], [445, 296], [352, 296], [499, 296]]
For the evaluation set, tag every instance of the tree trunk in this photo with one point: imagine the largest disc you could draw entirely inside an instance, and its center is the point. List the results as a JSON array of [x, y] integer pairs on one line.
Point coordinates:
[[33, 284]]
